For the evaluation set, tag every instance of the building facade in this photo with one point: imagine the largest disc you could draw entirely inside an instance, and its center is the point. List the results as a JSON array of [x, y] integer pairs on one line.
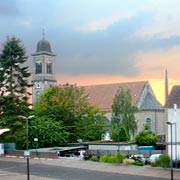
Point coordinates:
[[173, 113], [151, 112]]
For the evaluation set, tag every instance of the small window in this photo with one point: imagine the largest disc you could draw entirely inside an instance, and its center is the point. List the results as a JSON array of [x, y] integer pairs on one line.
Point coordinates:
[[149, 124], [38, 86]]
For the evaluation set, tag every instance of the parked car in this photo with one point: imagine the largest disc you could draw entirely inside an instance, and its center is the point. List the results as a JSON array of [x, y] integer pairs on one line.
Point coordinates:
[[153, 158]]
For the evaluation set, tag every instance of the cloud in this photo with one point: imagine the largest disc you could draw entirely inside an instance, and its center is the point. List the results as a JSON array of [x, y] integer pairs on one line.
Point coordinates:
[[165, 19], [25, 23], [103, 23], [111, 51], [8, 8], [154, 62], [97, 25]]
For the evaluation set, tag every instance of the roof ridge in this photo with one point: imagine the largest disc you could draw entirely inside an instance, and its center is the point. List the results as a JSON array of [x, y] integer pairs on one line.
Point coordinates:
[[131, 82]]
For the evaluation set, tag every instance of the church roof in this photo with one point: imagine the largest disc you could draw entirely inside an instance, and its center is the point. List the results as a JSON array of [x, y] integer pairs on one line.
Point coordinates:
[[174, 97], [103, 95], [150, 103]]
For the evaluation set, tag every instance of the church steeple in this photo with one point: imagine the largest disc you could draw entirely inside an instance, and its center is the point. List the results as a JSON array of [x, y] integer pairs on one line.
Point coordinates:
[[43, 75], [166, 85]]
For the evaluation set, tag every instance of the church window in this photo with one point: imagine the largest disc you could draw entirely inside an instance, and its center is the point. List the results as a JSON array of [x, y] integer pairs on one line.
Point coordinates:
[[149, 124], [49, 68], [38, 68], [38, 86]]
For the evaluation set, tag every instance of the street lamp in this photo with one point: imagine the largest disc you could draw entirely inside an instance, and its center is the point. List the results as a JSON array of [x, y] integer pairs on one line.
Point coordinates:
[[170, 124], [27, 153], [27, 144]]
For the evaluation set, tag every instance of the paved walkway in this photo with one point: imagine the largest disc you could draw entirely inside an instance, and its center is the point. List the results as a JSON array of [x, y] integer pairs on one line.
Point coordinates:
[[105, 167]]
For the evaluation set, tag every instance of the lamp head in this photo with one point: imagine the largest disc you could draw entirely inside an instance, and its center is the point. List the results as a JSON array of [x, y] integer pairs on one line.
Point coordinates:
[[170, 123]]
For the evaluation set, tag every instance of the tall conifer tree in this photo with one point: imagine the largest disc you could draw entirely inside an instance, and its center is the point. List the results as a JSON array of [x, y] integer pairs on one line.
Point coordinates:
[[13, 85]]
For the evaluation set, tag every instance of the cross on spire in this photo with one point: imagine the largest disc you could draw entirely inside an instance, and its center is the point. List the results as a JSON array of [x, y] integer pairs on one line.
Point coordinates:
[[43, 34]]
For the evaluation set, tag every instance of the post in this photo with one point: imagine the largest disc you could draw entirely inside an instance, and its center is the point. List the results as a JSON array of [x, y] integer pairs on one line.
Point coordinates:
[[119, 119], [171, 154], [170, 124], [27, 147], [27, 153], [174, 120], [175, 146], [118, 135], [36, 140]]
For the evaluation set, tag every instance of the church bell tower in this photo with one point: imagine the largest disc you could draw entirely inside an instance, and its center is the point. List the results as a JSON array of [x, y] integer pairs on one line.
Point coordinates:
[[43, 75]]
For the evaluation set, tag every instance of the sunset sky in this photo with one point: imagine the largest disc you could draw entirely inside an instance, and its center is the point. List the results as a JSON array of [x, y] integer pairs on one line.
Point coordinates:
[[101, 41]]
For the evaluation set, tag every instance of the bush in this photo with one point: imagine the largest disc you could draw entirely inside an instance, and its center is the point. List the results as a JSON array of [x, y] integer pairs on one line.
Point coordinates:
[[94, 158], [104, 158], [112, 159], [127, 161], [119, 157], [138, 163], [164, 160], [87, 155], [153, 164]]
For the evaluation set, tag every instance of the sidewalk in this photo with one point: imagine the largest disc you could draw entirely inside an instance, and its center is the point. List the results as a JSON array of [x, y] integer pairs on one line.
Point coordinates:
[[108, 167], [104, 167]]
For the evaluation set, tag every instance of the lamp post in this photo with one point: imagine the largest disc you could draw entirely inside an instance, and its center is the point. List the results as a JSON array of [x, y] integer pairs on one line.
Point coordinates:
[[27, 153], [118, 133], [118, 123], [170, 124], [27, 144]]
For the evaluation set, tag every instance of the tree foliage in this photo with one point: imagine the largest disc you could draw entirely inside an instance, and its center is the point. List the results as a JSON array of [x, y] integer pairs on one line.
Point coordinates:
[[123, 136], [67, 109], [13, 89], [146, 137], [123, 112]]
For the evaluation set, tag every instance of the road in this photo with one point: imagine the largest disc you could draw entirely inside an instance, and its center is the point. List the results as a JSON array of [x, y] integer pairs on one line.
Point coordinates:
[[49, 170]]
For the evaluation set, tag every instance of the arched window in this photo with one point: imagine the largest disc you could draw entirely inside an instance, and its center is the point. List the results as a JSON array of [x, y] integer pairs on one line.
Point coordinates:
[[38, 68], [49, 68], [149, 123]]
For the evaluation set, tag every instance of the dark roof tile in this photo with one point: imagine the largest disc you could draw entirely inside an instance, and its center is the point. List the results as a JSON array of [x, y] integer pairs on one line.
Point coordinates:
[[174, 97]]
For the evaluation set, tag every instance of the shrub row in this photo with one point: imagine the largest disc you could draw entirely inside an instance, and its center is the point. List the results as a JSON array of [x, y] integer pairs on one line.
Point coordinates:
[[117, 158], [163, 161]]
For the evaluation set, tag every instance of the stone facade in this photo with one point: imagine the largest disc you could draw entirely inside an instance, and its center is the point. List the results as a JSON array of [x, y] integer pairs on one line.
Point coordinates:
[[157, 118]]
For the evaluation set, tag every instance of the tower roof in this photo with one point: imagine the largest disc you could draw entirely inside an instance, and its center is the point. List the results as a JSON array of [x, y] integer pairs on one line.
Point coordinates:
[[43, 46]]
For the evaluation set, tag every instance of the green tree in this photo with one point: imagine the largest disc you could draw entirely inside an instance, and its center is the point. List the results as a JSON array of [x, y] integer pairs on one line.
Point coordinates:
[[123, 112], [68, 105], [146, 137], [49, 132], [123, 136], [13, 89]]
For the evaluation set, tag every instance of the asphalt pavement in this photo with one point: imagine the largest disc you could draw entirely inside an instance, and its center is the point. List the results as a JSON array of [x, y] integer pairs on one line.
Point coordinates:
[[47, 169]]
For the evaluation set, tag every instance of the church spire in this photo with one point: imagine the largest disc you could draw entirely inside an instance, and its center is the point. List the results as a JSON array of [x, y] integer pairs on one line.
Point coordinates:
[[166, 86]]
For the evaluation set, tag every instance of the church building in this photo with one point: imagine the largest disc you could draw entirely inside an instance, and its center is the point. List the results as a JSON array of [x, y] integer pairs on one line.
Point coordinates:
[[150, 112]]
